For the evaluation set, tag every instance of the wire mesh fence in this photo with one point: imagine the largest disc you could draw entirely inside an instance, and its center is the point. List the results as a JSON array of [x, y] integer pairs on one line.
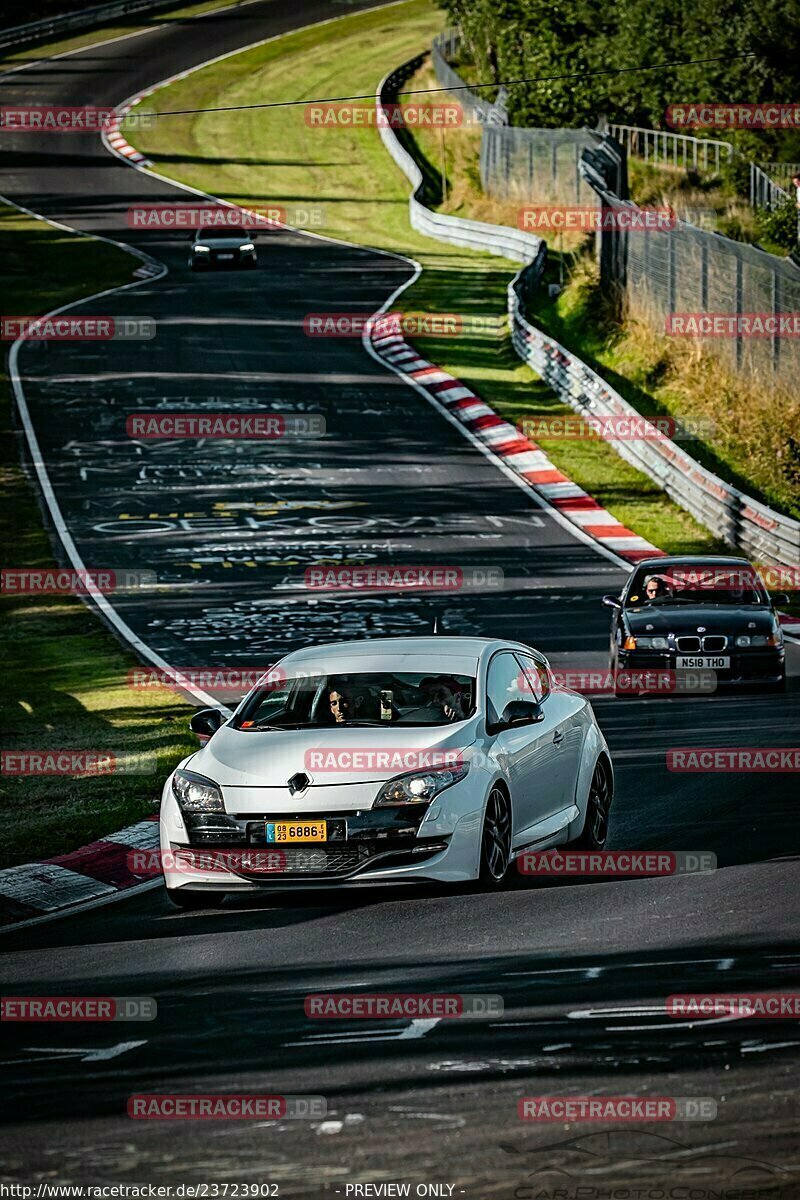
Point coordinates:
[[690, 282], [539, 165], [735, 299], [444, 48]]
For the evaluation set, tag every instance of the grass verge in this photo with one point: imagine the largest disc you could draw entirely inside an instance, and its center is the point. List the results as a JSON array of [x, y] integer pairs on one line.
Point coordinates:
[[756, 444], [65, 677], [275, 157]]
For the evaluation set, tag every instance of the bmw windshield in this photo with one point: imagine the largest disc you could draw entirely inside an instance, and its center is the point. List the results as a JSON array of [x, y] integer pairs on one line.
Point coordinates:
[[697, 583]]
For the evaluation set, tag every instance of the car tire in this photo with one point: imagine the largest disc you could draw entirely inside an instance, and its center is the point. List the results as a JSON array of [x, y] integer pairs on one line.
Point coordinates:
[[594, 834], [495, 853], [191, 899]]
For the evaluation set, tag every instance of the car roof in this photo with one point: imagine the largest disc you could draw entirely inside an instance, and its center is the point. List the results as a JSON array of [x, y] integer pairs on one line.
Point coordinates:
[[222, 231], [669, 560], [436, 646]]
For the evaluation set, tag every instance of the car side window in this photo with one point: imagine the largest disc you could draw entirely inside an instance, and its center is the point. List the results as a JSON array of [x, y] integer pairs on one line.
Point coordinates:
[[505, 682], [537, 677]]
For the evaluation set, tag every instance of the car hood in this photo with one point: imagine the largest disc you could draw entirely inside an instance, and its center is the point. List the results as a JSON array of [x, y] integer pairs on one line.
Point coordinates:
[[685, 619], [238, 758]]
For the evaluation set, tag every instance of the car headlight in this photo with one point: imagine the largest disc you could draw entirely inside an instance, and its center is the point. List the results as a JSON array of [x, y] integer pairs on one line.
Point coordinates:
[[760, 639], [195, 793], [247, 246], [201, 249], [646, 643], [420, 787]]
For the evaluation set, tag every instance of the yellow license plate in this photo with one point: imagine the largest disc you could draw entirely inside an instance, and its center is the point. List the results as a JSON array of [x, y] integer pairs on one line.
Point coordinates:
[[297, 831]]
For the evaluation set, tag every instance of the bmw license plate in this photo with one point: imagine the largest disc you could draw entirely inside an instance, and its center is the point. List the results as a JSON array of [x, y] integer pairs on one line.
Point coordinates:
[[297, 831], [697, 662], [224, 256]]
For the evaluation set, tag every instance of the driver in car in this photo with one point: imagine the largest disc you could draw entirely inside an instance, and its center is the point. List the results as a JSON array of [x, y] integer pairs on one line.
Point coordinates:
[[343, 704], [655, 589], [445, 694]]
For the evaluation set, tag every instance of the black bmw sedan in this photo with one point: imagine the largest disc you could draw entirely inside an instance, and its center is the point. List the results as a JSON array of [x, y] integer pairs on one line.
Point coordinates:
[[695, 614]]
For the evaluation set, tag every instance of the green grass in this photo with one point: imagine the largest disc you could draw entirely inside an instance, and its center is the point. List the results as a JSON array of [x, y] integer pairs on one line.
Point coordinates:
[[64, 676], [754, 445], [272, 156]]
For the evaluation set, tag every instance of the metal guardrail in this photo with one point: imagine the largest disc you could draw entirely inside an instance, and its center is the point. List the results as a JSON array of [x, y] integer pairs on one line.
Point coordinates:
[[763, 534], [765, 192], [674, 149], [457, 231], [781, 173], [681, 149], [39, 31]]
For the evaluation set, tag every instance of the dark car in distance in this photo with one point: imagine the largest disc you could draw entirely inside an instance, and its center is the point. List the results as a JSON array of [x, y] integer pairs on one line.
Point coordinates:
[[697, 614], [223, 247]]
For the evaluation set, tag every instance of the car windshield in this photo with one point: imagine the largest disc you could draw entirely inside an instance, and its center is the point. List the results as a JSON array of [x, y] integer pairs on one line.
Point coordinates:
[[697, 583], [233, 235], [374, 698]]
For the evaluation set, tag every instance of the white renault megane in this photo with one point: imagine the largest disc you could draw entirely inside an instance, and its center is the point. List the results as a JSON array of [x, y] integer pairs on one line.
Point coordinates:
[[403, 759]]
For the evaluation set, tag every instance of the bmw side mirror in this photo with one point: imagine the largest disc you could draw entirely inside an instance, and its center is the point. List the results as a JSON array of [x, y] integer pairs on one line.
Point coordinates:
[[521, 712], [612, 602], [206, 722]]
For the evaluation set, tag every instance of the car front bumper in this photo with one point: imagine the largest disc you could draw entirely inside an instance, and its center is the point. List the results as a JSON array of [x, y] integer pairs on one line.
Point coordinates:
[[747, 667], [229, 851], [214, 261]]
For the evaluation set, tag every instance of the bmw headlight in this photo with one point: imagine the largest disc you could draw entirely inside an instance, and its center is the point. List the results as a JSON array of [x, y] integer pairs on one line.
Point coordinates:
[[247, 246], [201, 249], [420, 787], [651, 643], [760, 639], [195, 793]]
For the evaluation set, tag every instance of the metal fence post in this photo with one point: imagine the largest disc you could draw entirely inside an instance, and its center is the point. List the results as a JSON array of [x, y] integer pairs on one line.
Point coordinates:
[[704, 276], [776, 308], [739, 302]]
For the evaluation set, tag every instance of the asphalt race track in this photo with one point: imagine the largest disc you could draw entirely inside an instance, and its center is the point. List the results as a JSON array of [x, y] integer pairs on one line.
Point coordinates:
[[228, 529]]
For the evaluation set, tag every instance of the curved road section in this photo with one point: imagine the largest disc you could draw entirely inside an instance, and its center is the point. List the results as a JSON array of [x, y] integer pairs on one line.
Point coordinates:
[[228, 530]]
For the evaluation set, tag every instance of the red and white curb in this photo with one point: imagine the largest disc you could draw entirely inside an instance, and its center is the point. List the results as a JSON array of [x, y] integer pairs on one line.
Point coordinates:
[[92, 872], [117, 141], [505, 441]]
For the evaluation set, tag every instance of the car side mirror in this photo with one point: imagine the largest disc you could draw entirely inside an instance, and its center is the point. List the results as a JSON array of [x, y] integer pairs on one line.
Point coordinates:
[[206, 722], [612, 602], [780, 598], [520, 712]]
